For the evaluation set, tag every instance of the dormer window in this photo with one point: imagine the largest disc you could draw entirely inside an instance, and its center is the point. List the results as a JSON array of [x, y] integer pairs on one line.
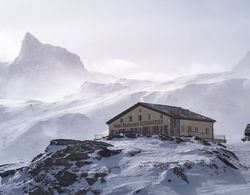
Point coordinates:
[[149, 116], [130, 118], [139, 118], [121, 120]]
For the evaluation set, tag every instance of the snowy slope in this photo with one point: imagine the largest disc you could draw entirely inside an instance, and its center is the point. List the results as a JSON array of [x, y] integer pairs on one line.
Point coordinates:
[[47, 74], [244, 64], [154, 165], [43, 71]]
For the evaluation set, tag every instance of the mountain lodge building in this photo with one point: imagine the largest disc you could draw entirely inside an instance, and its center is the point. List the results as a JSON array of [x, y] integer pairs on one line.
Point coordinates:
[[146, 118]]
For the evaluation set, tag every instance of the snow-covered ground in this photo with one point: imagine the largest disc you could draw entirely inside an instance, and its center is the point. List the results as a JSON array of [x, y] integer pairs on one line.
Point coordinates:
[[144, 165], [40, 100]]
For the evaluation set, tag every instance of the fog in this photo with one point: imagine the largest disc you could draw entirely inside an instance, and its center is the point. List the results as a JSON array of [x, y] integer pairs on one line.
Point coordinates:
[[163, 38]]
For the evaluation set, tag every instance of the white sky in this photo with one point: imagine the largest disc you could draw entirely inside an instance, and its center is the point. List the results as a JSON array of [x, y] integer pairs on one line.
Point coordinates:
[[149, 39]]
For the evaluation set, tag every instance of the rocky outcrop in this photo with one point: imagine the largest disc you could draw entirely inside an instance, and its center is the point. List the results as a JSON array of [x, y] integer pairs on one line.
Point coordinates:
[[63, 165], [121, 164]]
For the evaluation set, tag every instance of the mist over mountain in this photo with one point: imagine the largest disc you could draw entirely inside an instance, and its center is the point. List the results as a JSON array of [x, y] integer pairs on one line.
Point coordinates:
[[244, 63], [40, 59], [83, 101], [44, 71]]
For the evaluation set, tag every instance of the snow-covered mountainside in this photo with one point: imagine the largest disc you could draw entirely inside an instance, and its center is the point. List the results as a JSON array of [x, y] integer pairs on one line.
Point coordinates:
[[143, 165], [244, 64], [86, 100], [45, 71]]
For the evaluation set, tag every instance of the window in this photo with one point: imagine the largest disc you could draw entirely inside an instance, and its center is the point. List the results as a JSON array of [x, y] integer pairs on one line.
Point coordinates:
[[161, 116], [165, 129], [155, 129], [149, 116], [182, 128], [139, 118], [121, 120], [196, 129], [139, 109], [189, 129], [130, 118], [207, 130]]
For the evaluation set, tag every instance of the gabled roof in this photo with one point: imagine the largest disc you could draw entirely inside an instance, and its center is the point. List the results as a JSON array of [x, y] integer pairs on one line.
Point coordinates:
[[171, 111]]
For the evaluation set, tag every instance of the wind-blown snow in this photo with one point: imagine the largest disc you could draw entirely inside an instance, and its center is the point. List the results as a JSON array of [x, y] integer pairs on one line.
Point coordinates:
[[64, 91]]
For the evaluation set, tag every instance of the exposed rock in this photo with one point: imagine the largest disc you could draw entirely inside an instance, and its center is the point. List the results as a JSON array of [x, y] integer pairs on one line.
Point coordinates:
[[179, 172], [39, 191], [107, 153], [7, 173], [84, 174], [179, 140], [101, 174], [165, 137], [37, 157], [224, 160], [134, 152], [230, 153], [82, 163], [219, 144], [91, 180], [68, 164], [75, 156], [66, 178], [62, 162], [82, 192], [103, 180]]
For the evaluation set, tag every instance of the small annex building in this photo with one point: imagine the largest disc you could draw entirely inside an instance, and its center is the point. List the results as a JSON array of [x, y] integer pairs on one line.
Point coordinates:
[[247, 133], [147, 118]]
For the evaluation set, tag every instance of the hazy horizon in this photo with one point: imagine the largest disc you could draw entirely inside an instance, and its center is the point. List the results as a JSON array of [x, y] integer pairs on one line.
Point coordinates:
[[155, 40]]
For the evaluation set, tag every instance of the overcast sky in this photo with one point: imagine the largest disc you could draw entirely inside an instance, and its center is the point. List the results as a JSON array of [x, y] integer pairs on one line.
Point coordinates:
[[150, 39]]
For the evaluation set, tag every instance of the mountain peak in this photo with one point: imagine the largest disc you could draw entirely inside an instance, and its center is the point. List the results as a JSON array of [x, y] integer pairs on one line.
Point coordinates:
[[28, 37], [37, 60], [244, 63], [29, 44]]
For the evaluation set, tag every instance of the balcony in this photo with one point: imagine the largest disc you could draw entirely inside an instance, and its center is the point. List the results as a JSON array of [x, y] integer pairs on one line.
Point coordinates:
[[219, 139]]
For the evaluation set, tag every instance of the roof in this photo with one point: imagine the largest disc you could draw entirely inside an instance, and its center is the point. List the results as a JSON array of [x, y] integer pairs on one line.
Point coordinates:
[[247, 129], [172, 111]]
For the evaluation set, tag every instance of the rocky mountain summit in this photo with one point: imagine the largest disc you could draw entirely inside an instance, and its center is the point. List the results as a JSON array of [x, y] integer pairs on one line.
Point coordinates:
[[38, 58], [114, 165]]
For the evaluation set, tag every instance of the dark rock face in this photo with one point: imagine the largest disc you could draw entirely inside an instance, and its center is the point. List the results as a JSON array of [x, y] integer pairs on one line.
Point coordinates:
[[7, 173], [107, 153], [165, 137], [74, 156], [179, 172], [39, 191], [66, 178], [62, 166], [227, 162]]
